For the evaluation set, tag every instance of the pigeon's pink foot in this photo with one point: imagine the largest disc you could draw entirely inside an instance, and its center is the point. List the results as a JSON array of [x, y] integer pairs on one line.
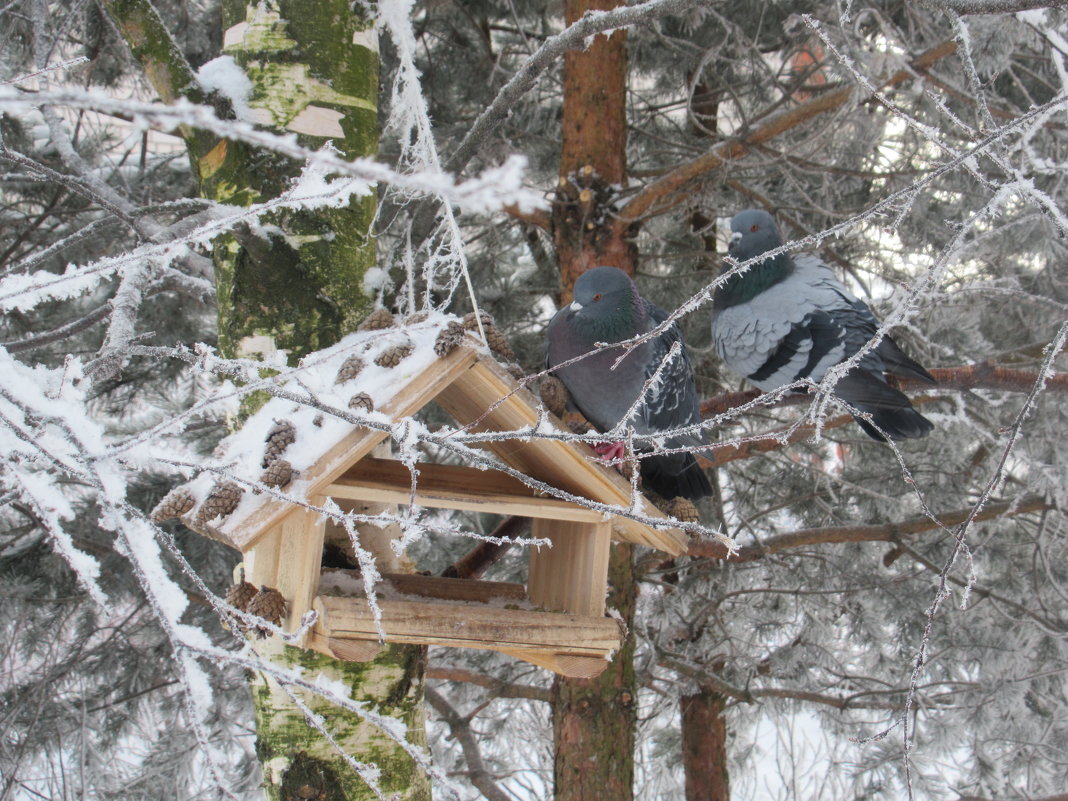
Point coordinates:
[[610, 451]]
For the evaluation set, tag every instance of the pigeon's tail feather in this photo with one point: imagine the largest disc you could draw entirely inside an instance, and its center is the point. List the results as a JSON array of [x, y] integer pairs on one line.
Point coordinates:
[[891, 411], [676, 474], [897, 363], [898, 424]]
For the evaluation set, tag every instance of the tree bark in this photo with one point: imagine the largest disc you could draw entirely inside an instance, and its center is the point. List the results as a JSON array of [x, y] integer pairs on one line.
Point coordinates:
[[314, 70], [594, 719], [704, 746], [592, 155]]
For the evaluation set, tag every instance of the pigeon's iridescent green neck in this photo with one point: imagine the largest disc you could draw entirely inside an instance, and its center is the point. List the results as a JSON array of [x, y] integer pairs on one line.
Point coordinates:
[[743, 287], [620, 317]]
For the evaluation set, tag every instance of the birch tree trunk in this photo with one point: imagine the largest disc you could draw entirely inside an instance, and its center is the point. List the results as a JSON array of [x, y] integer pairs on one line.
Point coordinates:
[[314, 71]]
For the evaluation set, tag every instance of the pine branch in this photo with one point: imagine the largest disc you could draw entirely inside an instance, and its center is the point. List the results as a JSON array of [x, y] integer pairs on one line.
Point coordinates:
[[664, 194], [706, 678]]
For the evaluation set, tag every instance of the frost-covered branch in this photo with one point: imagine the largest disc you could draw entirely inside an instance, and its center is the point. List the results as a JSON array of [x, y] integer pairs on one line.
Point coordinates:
[[990, 6], [885, 532]]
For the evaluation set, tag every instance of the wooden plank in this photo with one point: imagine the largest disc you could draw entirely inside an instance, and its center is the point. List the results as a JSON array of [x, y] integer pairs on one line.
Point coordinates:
[[468, 626], [420, 389], [347, 650], [288, 559], [452, 487], [447, 589], [261, 561], [475, 400], [574, 667], [572, 575]]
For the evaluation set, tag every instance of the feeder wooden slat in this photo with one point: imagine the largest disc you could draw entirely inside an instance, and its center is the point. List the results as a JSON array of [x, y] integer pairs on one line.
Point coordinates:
[[288, 559], [572, 575], [550, 634], [452, 487], [448, 589]]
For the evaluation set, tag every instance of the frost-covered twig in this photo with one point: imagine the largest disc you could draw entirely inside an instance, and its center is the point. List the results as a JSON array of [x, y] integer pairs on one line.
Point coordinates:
[[961, 533]]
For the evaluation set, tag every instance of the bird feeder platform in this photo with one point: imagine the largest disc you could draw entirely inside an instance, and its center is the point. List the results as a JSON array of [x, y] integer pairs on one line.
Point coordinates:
[[577, 505]]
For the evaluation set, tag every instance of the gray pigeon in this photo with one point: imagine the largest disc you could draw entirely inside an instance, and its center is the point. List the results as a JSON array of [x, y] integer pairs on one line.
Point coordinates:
[[788, 318], [608, 308]]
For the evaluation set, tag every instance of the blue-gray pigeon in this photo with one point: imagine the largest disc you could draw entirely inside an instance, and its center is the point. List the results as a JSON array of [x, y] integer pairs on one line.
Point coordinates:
[[788, 318], [607, 308]]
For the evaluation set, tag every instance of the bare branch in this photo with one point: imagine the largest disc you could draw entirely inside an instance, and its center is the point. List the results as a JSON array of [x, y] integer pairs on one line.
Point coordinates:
[[889, 532], [460, 727], [498, 688], [479, 559], [664, 194]]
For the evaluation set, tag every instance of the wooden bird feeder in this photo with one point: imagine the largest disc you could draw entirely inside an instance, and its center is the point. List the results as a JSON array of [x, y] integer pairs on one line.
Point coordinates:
[[557, 620]]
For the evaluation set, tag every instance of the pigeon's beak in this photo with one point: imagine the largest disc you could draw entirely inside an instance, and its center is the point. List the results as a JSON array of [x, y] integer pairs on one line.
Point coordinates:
[[575, 306], [736, 237]]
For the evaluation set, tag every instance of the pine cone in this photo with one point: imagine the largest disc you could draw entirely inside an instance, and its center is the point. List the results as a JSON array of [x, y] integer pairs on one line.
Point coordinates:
[[499, 344], [494, 338], [554, 395], [223, 499], [278, 473], [377, 320], [240, 595], [361, 400], [393, 356], [470, 323], [579, 426], [174, 504], [682, 509], [449, 338], [270, 605], [282, 433], [349, 369]]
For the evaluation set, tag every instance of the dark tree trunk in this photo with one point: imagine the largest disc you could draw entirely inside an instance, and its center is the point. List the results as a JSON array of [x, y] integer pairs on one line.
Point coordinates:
[[594, 719], [704, 746]]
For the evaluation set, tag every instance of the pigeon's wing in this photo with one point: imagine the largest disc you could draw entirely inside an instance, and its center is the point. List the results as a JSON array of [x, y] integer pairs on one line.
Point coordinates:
[[673, 402], [859, 326], [792, 330]]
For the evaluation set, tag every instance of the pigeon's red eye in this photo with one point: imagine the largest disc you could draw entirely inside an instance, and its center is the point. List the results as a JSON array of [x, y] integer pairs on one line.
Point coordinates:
[[755, 228], [597, 296]]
